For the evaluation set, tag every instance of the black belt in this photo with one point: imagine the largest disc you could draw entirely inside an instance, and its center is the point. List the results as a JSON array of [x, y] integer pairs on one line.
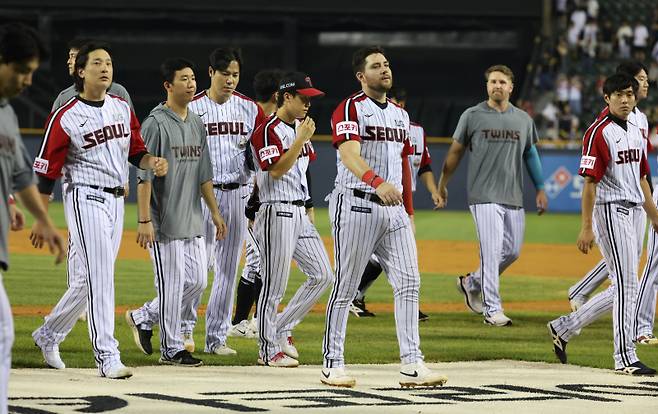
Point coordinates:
[[228, 186], [115, 191], [368, 197], [298, 203], [624, 203]]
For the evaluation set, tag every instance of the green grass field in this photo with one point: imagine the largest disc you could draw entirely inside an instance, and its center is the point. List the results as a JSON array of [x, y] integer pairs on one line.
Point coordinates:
[[448, 336]]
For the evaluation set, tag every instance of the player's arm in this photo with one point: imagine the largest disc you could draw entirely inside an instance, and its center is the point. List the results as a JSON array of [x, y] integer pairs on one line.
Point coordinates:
[[533, 165], [585, 240], [593, 164], [649, 205], [139, 156], [308, 204], [208, 195], [305, 131], [145, 230], [450, 164], [426, 175]]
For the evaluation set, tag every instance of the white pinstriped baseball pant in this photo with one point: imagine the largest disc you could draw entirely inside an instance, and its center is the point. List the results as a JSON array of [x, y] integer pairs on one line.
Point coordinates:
[[614, 226], [361, 228], [95, 222], [500, 234], [181, 276], [6, 342], [283, 233]]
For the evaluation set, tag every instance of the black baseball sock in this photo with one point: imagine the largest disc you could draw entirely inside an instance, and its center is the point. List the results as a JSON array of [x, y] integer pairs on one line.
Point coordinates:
[[372, 272], [244, 300]]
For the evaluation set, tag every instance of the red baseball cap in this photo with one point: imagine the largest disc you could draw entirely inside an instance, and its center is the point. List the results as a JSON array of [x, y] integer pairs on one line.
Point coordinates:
[[300, 83]]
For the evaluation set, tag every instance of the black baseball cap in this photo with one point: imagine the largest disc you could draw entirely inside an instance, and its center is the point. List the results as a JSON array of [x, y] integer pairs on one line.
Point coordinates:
[[300, 83]]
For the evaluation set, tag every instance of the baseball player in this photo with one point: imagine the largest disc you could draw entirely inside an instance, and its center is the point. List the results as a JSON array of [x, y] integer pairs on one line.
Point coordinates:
[[646, 302], [230, 119], [499, 138], [421, 167], [614, 166], [371, 134], [21, 49], [266, 84], [172, 228], [89, 140], [74, 264], [283, 229]]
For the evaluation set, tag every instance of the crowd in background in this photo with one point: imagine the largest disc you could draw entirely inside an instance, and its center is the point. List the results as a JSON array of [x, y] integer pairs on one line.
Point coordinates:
[[590, 38]]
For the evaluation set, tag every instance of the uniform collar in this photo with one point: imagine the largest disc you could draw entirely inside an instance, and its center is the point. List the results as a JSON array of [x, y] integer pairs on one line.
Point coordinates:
[[621, 122]]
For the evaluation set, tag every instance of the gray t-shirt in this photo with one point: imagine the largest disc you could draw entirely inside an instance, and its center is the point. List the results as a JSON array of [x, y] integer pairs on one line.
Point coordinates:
[[15, 171], [176, 197], [68, 93], [496, 142]]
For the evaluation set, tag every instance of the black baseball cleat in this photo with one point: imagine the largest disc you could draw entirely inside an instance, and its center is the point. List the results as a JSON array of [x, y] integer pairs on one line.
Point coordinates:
[[559, 344], [358, 308], [182, 358], [422, 317], [142, 337], [636, 369]]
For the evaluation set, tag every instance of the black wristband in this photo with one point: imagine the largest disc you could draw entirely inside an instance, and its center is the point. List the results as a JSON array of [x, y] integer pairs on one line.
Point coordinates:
[[143, 222]]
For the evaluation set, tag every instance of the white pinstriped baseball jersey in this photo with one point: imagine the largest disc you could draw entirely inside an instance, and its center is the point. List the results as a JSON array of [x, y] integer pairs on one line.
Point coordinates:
[[614, 155], [270, 141], [90, 142], [229, 127], [420, 155], [382, 129]]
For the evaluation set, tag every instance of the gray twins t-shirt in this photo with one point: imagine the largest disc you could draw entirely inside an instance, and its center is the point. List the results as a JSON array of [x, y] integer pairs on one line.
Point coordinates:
[[68, 93], [176, 197], [15, 170], [496, 143]]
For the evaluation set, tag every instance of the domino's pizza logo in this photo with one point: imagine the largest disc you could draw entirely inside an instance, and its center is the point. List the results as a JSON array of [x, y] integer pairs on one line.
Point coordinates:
[[557, 182]]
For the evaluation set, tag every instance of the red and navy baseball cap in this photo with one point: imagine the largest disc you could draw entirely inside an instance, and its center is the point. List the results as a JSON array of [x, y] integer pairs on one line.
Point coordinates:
[[300, 83]]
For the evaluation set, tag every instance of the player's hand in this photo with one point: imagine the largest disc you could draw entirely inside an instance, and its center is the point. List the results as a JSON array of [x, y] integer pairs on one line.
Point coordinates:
[[159, 166], [436, 198], [306, 129], [442, 199], [585, 240], [17, 218], [310, 212], [220, 225], [413, 224], [654, 224], [542, 202], [389, 194], [45, 233], [126, 190], [145, 235]]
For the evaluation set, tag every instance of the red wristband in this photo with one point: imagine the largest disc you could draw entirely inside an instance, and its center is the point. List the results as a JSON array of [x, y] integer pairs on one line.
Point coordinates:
[[11, 199], [376, 182], [372, 179]]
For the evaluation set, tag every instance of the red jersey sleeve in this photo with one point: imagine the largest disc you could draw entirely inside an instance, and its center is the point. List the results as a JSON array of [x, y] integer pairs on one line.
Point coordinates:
[[260, 117], [345, 123], [136, 141], [426, 159], [267, 145], [644, 166], [407, 149], [54, 148], [596, 154]]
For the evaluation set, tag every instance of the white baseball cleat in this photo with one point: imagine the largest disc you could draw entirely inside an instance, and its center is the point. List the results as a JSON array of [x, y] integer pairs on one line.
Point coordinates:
[[118, 371], [497, 319], [337, 377], [83, 317], [418, 375], [288, 347], [242, 329], [224, 350], [188, 342], [472, 301], [253, 325], [577, 302], [280, 360], [51, 356]]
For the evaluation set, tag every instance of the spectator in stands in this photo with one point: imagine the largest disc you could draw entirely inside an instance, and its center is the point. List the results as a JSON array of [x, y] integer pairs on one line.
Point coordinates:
[[624, 36], [575, 96], [567, 123], [593, 8], [599, 85], [562, 89], [654, 52], [548, 121], [606, 39], [561, 13], [640, 41], [653, 72], [579, 18], [562, 51]]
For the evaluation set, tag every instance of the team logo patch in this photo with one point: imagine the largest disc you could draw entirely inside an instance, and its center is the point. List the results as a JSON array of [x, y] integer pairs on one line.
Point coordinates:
[[587, 162], [40, 165], [358, 209], [347, 127], [96, 198], [269, 152], [285, 214]]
